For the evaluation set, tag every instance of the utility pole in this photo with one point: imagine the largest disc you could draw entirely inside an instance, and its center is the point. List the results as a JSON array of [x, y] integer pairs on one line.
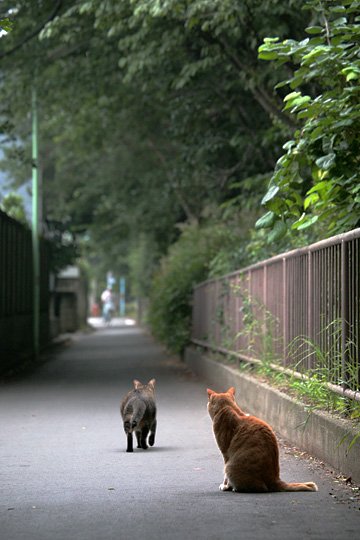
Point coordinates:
[[35, 226]]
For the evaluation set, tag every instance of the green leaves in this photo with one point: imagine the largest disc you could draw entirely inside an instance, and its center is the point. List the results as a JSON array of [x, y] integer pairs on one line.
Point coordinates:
[[296, 101], [326, 162], [13, 205], [316, 177], [352, 73], [156, 113], [266, 221], [314, 29], [279, 230], [6, 25], [266, 52], [186, 263], [272, 192], [304, 222]]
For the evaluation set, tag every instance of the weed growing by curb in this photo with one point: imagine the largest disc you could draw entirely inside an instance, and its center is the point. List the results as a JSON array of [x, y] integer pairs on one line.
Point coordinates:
[[311, 373]]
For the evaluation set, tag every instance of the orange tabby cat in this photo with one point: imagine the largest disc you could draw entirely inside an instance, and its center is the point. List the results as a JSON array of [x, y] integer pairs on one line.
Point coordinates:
[[249, 448]]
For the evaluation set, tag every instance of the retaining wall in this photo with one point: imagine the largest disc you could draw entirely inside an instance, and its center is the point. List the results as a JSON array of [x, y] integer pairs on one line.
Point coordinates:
[[317, 433]]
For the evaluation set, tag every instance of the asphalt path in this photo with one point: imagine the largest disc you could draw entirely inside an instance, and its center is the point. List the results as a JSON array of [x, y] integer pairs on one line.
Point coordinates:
[[64, 472]]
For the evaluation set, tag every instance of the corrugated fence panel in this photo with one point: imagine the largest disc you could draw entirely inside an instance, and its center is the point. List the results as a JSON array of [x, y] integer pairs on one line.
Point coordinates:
[[16, 293]]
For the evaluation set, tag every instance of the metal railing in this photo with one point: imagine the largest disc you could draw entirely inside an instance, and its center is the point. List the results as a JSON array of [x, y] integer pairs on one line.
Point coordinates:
[[294, 310]]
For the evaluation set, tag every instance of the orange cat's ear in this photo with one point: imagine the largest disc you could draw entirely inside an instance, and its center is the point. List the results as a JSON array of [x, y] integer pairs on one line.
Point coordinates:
[[210, 393], [136, 384], [231, 391]]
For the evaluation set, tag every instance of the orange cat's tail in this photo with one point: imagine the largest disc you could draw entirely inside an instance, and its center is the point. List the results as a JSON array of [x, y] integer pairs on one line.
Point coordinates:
[[296, 486]]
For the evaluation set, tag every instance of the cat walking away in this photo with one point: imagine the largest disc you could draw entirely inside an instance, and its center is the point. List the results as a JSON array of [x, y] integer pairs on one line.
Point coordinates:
[[249, 448], [138, 411]]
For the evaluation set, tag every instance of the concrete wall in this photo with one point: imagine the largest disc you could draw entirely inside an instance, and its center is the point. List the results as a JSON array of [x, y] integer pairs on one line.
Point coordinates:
[[317, 433], [69, 303]]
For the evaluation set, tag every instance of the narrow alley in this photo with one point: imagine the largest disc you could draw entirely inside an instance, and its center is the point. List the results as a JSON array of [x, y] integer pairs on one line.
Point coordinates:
[[65, 474]]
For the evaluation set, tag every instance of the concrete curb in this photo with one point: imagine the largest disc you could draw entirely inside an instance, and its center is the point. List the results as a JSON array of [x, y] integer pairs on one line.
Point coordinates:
[[318, 434]]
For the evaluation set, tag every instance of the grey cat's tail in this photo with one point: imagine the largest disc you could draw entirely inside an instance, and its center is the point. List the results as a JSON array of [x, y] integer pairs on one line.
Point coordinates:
[[133, 413]]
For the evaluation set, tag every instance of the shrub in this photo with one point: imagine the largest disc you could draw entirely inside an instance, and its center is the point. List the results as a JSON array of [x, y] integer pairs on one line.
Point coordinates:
[[187, 263]]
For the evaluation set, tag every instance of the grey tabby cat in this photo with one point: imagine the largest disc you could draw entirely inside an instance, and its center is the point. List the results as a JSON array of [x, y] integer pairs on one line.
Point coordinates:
[[138, 411]]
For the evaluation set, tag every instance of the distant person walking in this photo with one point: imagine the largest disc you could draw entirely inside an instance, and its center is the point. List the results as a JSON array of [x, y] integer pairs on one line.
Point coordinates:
[[108, 305]]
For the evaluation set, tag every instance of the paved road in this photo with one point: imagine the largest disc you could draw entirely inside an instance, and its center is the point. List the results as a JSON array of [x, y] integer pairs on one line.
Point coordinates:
[[65, 473]]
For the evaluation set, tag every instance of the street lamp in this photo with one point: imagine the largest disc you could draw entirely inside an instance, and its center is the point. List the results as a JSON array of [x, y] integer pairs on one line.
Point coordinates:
[[35, 225]]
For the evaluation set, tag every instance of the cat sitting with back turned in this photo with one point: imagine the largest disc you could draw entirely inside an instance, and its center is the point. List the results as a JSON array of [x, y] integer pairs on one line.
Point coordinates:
[[138, 411], [249, 448]]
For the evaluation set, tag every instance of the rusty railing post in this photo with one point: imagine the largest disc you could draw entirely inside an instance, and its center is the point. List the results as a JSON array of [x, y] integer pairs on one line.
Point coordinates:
[[344, 311]]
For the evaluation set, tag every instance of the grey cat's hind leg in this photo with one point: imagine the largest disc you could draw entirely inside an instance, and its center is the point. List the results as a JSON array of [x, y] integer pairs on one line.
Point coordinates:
[[138, 438], [129, 436], [144, 434], [152, 434], [129, 442]]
